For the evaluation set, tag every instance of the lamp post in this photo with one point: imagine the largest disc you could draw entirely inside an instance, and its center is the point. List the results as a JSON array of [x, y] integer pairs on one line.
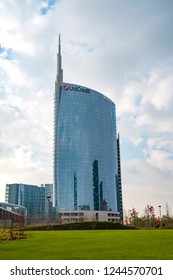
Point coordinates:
[[48, 199], [79, 213], [160, 211], [160, 214]]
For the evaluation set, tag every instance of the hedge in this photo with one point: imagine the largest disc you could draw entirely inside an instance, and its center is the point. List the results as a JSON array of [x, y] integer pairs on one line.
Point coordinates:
[[80, 226]]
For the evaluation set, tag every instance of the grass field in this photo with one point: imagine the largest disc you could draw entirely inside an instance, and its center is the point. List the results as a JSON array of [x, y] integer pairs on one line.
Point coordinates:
[[91, 245]]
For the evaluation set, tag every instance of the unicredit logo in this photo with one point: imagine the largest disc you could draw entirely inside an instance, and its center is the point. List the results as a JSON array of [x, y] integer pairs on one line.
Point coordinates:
[[66, 87], [76, 88]]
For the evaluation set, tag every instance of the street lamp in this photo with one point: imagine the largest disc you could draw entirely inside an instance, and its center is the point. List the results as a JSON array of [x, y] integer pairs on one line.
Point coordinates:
[[48, 199], [79, 213], [159, 211]]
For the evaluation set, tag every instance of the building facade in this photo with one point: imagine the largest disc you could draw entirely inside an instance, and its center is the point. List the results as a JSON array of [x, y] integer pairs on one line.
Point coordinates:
[[45, 202], [119, 182], [84, 215], [86, 173], [12, 213], [36, 199]]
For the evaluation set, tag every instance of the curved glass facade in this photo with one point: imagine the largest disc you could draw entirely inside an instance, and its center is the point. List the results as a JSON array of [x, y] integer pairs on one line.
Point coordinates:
[[85, 151]]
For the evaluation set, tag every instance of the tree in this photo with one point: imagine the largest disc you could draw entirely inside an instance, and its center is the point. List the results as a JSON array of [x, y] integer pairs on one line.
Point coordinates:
[[149, 216], [167, 220]]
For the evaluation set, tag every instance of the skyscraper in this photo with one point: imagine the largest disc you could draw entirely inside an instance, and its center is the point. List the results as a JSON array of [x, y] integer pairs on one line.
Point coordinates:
[[86, 173]]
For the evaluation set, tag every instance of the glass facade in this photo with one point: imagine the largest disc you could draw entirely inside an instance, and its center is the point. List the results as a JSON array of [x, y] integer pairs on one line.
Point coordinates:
[[33, 197], [24, 195], [85, 150]]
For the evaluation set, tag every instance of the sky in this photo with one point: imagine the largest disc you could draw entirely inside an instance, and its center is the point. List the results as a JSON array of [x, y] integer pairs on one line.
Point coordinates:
[[121, 48]]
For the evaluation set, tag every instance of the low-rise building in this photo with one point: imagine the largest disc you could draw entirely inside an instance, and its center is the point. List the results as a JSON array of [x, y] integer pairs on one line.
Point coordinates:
[[84, 215]]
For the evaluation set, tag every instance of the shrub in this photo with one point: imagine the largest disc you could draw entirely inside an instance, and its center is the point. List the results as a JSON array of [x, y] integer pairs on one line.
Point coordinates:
[[6, 235], [95, 225]]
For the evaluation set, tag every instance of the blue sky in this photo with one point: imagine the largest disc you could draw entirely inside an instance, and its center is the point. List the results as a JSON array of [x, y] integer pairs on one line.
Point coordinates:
[[46, 6], [123, 49]]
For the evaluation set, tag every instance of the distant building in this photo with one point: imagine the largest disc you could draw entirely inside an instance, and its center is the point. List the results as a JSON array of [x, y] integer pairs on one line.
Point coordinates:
[[45, 202], [119, 183], [88, 215], [33, 197]]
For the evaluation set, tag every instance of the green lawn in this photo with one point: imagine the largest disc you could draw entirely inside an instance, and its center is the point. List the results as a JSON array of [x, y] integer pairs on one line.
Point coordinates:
[[91, 245]]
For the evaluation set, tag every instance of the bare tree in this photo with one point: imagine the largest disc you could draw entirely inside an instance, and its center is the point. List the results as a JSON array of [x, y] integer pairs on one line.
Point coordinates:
[[150, 218]]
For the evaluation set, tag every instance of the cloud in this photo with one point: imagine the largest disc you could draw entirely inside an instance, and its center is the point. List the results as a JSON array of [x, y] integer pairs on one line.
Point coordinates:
[[145, 183]]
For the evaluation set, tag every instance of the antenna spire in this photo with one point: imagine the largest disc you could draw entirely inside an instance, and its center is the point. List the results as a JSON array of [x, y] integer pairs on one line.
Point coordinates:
[[59, 76], [59, 46]]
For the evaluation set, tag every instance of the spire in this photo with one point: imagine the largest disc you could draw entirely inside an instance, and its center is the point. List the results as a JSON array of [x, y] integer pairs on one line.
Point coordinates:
[[59, 46], [59, 76]]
